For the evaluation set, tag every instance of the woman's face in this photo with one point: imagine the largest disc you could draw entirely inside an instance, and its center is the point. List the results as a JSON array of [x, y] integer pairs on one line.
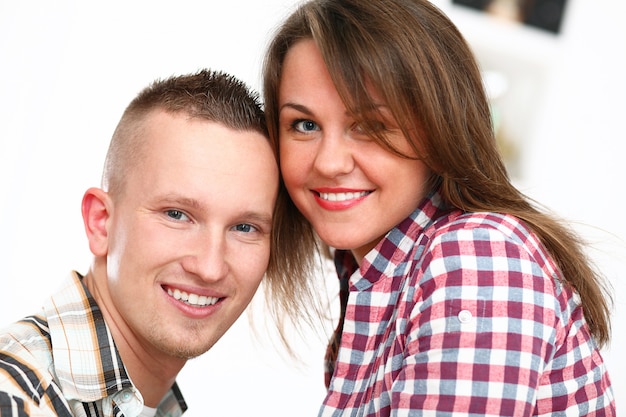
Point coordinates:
[[351, 189]]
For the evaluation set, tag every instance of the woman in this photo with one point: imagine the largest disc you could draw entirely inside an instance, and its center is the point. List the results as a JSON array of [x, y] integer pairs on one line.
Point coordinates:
[[463, 297]]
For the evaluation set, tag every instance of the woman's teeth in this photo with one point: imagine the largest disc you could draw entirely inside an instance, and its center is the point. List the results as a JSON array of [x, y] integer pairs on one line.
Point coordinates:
[[343, 196], [192, 299]]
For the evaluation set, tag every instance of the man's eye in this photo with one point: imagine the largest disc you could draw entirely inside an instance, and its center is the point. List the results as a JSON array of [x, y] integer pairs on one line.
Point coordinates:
[[305, 126], [245, 228], [176, 215]]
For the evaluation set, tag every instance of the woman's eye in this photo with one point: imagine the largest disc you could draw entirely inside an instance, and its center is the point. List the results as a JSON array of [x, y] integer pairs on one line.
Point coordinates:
[[245, 228], [373, 126], [305, 126], [176, 215]]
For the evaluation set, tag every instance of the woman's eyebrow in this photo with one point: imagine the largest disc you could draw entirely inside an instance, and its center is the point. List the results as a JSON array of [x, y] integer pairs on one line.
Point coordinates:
[[299, 107]]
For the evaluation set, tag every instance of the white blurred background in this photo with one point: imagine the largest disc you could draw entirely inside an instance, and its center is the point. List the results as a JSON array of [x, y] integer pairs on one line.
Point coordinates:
[[68, 69]]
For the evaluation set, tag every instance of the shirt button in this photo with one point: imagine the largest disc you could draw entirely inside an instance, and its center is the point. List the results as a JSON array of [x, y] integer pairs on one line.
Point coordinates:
[[126, 396], [465, 316]]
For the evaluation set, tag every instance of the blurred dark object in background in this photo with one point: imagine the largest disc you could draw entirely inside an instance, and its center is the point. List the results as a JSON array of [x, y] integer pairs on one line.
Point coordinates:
[[543, 14]]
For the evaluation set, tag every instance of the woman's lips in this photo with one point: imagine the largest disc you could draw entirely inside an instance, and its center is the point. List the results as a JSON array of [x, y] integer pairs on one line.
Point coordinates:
[[339, 199]]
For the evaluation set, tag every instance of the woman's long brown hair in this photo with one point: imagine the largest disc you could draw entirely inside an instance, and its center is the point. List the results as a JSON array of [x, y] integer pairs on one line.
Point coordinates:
[[416, 58]]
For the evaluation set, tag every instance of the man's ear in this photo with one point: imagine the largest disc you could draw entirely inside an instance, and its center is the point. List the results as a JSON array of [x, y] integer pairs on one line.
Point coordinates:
[[96, 207]]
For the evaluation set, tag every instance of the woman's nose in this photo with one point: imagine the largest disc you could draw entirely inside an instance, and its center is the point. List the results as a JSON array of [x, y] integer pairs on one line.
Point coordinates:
[[334, 155]]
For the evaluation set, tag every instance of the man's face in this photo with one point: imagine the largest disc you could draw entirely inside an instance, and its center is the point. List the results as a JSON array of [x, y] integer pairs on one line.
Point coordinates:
[[189, 237]]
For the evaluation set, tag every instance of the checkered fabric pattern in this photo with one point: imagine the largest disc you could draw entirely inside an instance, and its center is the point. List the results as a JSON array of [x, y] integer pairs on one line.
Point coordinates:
[[63, 362], [464, 314]]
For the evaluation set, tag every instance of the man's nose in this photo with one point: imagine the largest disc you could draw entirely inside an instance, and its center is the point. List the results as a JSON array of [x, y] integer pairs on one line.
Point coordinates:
[[208, 258]]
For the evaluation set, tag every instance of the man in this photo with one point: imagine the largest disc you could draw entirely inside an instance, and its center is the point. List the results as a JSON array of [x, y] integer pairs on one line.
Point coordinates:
[[180, 232]]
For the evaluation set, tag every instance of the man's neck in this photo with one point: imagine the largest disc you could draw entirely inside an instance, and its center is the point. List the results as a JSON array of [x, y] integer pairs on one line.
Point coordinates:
[[153, 379], [152, 372]]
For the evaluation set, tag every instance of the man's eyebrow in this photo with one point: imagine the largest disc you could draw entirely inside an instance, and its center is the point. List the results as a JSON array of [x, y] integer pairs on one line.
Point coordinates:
[[180, 200], [248, 215], [257, 217]]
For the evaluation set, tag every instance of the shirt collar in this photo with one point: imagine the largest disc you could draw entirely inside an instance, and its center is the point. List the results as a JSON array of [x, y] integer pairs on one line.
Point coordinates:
[[394, 247], [86, 362]]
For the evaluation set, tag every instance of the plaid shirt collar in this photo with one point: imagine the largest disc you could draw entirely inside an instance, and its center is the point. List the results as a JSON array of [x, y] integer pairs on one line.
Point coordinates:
[[384, 258], [87, 364]]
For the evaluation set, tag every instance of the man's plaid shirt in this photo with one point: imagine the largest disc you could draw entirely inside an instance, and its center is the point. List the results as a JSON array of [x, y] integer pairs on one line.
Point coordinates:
[[63, 362]]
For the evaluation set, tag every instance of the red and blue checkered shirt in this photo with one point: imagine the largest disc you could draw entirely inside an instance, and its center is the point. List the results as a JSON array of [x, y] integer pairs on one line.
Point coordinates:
[[463, 314]]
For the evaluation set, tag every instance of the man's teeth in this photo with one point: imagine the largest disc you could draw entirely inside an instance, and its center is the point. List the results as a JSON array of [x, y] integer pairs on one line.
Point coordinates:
[[343, 196], [192, 299]]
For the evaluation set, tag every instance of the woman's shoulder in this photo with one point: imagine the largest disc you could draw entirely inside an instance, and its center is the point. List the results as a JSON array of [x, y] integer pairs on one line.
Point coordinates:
[[485, 234], [481, 224]]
